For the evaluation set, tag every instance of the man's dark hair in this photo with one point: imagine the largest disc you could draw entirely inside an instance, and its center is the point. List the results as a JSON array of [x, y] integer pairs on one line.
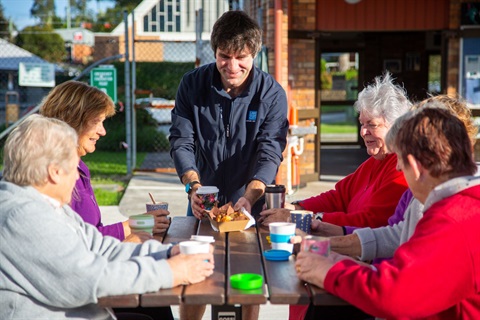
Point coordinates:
[[234, 31]]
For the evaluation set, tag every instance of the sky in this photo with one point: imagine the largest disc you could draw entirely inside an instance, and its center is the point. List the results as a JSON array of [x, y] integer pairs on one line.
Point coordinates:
[[19, 10]]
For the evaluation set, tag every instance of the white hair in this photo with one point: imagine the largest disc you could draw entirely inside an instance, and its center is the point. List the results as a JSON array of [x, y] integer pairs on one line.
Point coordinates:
[[383, 99], [34, 145]]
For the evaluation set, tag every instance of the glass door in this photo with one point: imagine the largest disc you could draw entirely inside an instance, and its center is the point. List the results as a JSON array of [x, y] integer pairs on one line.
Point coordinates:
[[339, 76]]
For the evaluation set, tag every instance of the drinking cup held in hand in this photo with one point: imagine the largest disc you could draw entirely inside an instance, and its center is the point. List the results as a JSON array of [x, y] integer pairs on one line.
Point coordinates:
[[275, 196], [302, 219], [193, 247], [319, 245], [208, 195], [142, 222], [156, 206]]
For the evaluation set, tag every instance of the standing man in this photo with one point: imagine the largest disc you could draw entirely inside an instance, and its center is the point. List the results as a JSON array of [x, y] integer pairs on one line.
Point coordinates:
[[229, 125]]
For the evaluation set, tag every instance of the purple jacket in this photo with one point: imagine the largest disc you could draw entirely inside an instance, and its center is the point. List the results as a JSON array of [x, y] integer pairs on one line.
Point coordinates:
[[399, 210], [84, 203]]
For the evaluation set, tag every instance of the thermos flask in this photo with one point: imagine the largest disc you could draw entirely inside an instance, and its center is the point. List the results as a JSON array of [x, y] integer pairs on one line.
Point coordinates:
[[275, 196]]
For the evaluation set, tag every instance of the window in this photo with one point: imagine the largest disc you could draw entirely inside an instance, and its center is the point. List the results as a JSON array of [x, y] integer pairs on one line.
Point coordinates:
[[164, 17]]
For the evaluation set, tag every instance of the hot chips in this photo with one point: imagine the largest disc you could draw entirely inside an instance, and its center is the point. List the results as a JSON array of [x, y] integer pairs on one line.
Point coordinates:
[[226, 213]]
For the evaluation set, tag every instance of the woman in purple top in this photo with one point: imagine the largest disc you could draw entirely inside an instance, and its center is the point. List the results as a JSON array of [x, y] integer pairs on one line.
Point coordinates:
[[85, 204], [85, 108]]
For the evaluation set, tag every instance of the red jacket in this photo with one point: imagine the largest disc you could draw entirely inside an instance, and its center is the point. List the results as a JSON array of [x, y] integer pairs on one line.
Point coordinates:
[[435, 275], [365, 198]]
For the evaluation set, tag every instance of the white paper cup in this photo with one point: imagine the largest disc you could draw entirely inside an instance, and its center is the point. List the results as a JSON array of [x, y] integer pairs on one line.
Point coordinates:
[[194, 247]]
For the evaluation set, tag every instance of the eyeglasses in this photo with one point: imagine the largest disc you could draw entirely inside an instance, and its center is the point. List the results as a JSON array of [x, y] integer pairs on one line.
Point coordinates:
[[371, 126]]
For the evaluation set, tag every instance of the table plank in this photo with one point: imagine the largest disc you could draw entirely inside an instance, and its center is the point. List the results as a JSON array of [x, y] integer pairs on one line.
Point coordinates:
[[123, 301], [181, 228], [212, 290], [284, 287], [244, 257]]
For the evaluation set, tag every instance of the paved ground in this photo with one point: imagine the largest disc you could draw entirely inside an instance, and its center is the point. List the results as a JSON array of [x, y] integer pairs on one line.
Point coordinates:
[[336, 163]]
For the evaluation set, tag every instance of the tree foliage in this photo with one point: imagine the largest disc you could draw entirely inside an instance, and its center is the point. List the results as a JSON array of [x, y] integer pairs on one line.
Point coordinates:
[[113, 16], [4, 33], [42, 41], [44, 11]]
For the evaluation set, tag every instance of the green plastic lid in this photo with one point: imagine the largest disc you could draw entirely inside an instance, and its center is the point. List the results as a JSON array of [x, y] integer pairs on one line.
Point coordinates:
[[246, 281]]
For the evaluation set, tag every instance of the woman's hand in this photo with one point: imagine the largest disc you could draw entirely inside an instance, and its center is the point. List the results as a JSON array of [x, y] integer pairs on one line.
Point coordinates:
[[191, 268], [162, 221], [138, 237], [274, 215], [325, 229], [313, 268]]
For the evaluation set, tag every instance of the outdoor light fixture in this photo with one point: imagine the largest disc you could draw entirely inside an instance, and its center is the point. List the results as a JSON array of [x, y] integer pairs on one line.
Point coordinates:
[[352, 1]]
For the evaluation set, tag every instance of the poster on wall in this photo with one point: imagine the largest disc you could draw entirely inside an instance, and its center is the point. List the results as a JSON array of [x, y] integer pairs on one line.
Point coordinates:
[[470, 14], [472, 79]]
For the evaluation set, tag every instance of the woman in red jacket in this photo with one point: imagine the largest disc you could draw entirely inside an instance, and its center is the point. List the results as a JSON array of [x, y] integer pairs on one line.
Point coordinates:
[[368, 196], [435, 274]]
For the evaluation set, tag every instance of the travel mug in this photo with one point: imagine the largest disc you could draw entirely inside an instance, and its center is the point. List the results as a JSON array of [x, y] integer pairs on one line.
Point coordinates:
[[275, 196]]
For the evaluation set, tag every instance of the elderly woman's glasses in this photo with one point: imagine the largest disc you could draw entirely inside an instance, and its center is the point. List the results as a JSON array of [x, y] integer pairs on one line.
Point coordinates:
[[370, 126]]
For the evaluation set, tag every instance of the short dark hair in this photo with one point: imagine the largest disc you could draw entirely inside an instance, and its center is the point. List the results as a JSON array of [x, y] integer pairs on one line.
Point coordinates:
[[438, 140], [234, 31]]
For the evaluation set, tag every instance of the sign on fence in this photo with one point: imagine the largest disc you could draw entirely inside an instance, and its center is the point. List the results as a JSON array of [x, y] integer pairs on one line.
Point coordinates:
[[31, 74], [105, 78]]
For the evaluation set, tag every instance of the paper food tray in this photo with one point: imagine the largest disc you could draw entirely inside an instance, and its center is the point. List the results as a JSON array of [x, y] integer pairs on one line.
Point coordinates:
[[229, 226]]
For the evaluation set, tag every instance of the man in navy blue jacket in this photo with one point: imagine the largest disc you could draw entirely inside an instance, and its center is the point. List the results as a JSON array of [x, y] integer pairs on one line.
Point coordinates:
[[229, 125]]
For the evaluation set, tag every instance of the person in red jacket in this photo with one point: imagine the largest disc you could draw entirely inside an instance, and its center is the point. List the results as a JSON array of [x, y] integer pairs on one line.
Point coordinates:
[[436, 273], [368, 196]]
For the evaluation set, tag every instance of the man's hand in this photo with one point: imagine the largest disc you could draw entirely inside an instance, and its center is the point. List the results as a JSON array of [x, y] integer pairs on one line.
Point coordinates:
[[243, 203], [197, 205]]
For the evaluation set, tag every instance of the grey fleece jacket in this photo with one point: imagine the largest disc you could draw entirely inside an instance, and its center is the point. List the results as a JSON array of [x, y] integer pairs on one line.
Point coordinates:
[[55, 266], [382, 242]]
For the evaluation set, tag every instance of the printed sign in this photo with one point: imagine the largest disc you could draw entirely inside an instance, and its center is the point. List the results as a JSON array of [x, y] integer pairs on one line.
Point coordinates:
[[36, 74]]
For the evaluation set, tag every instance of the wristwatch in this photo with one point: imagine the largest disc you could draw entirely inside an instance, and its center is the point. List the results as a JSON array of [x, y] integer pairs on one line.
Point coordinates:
[[189, 186], [319, 216]]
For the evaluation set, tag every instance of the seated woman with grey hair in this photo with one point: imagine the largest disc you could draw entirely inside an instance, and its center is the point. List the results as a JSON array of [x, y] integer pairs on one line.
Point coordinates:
[[368, 196], [53, 264], [435, 273]]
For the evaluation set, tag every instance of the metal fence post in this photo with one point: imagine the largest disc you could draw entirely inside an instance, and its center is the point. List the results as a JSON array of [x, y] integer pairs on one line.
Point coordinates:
[[134, 88], [128, 105]]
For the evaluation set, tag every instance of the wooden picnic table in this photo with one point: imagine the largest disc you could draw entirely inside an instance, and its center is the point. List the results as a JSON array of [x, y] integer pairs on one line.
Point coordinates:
[[235, 252]]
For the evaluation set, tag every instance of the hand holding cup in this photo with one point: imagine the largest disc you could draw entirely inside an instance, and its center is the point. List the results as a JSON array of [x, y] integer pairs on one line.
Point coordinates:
[[160, 212]]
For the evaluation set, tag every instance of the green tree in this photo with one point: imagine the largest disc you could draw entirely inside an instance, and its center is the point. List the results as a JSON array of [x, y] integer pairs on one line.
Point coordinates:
[[113, 16], [42, 41], [44, 11], [4, 32]]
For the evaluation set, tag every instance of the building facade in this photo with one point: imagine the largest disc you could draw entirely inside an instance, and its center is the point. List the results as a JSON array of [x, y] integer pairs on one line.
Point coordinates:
[[324, 52]]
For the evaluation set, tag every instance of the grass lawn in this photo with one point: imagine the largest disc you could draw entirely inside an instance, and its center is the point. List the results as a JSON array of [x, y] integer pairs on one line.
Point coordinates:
[[109, 175], [338, 128]]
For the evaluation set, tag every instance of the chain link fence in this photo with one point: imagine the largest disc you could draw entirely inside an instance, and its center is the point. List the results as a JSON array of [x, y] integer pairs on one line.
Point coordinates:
[[157, 84], [156, 72]]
